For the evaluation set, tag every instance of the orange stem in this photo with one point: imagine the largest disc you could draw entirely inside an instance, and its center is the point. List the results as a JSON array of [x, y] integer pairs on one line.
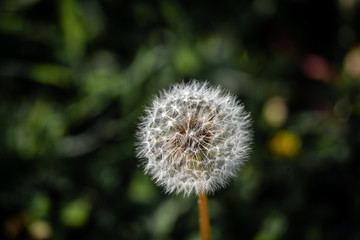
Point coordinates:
[[204, 217]]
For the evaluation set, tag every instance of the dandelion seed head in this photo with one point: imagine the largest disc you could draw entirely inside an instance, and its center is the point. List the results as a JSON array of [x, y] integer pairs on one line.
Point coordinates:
[[193, 138]]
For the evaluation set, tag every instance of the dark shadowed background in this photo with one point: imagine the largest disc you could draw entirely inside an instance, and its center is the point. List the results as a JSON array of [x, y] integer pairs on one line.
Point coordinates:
[[76, 75]]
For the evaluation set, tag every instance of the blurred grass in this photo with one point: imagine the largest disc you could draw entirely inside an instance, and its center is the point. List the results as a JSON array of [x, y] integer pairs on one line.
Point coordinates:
[[75, 76]]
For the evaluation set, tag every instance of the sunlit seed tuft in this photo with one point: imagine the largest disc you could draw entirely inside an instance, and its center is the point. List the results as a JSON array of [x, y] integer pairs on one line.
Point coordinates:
[[193, 138]]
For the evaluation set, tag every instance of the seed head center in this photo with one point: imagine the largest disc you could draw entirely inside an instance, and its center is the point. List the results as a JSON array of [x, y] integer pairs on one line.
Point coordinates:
[[192, 136]]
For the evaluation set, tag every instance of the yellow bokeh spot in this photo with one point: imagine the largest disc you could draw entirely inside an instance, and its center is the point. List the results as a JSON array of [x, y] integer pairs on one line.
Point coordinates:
[[40, 230], [352, 62], [285, 144]]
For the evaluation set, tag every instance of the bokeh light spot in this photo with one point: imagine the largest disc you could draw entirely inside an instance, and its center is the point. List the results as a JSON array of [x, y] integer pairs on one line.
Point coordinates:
[[317, 67], [352, 62], [75, 213], [285, 144], [40, 206], [40, 230], [275, 111]]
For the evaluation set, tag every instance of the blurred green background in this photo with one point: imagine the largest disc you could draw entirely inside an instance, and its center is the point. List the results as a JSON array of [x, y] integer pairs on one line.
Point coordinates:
[[76, 75]]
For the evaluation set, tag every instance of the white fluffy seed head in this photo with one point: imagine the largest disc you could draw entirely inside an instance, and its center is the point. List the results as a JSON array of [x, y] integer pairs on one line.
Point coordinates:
[[193, 138]]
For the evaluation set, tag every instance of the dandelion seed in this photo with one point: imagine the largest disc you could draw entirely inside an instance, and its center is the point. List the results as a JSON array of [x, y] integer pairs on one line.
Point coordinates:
[[193, 138]]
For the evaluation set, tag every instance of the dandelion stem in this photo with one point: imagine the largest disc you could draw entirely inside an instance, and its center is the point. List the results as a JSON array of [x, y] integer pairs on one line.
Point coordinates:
[[204, 217]]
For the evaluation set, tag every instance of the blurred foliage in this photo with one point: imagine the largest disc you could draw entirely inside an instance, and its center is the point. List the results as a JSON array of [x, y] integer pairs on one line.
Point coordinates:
[[76, 74]]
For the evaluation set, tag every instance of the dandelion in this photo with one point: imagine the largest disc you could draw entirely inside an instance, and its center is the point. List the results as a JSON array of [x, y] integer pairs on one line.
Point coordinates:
[[193, 139]]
